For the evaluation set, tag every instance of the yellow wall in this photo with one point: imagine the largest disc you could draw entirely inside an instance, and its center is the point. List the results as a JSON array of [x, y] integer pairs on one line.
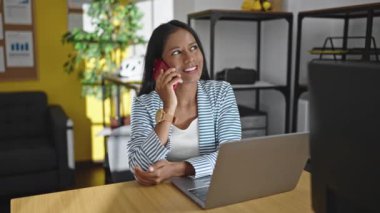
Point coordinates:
[[61, 88], [50, 24]]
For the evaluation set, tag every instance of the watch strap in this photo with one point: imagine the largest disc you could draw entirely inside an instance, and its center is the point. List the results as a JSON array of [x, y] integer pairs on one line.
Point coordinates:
[[161, 115]]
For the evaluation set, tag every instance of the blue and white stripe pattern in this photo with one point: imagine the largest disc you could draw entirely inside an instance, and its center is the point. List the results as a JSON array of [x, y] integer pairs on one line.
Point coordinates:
[[218, 118]]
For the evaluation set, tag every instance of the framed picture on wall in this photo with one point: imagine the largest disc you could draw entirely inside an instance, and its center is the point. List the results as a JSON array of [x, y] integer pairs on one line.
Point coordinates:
[[18, 12], [19, 48], [17, 41]]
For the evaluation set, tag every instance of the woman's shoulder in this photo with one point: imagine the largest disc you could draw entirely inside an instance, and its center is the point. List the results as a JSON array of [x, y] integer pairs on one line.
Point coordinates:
[[215, 86], [214, 83], [151, 98]]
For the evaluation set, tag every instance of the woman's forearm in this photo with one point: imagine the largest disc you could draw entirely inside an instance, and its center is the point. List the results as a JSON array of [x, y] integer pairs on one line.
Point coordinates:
[[162, 131], [162, 128], [183, 169]]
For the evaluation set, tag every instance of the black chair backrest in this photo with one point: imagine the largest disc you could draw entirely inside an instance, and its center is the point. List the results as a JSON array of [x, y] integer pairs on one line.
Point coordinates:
[[23, 115]]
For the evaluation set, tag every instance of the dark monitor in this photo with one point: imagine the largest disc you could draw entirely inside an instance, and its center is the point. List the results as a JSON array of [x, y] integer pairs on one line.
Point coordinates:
[[345, 136]]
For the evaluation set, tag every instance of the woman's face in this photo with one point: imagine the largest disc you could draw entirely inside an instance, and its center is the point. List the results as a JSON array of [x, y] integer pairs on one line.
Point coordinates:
[[182, 52]]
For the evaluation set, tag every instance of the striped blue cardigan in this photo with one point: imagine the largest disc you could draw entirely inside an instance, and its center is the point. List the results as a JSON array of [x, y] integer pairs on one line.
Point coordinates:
[[218, 122]]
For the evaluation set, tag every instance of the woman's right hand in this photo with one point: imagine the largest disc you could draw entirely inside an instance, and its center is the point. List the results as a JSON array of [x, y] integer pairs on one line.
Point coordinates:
[[164, 88], [161, 171]]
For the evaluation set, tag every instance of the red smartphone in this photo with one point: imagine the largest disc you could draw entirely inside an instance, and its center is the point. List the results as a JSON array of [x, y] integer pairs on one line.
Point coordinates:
[[160, 64]]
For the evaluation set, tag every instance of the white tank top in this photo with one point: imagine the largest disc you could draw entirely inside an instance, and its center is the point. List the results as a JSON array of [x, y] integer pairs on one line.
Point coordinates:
[[184, 142]]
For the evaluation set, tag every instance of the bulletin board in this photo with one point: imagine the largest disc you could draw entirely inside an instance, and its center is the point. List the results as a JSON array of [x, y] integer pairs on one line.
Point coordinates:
[[17, 41]]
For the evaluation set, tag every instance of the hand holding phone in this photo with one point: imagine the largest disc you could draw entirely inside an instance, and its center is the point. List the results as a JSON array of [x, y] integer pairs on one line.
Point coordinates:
[[160, 64]]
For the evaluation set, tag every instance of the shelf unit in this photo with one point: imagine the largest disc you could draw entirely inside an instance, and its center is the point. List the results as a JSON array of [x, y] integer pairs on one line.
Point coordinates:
[[112, 79], [329, 48], [368, 11], [237, 15], [115, 79]]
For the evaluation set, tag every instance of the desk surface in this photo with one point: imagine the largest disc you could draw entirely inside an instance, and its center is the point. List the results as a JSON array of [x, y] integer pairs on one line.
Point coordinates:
[[131, 197]]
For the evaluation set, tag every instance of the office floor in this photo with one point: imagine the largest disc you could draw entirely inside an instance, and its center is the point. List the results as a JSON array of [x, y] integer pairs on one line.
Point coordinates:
[[86, 175]]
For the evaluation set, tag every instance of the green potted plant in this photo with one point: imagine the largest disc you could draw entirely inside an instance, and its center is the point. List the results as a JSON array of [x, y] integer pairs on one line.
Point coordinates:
[[102, 50]]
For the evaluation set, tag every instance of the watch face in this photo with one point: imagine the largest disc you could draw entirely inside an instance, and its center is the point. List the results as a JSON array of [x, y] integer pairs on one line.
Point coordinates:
[[159, 115]]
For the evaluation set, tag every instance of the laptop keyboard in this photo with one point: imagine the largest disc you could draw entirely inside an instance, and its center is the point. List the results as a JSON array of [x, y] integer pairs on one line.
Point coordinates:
[[200, 193], [202, 182]]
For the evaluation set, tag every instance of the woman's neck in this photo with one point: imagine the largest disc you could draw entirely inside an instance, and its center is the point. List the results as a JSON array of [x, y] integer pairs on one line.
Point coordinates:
[[186, 94]]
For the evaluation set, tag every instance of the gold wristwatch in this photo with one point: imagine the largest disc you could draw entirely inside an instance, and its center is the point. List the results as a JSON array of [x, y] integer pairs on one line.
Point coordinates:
[[161, 115]]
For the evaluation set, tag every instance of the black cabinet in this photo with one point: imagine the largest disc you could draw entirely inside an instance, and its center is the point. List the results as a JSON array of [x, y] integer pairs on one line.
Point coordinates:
[[215, 16], [367, 11]]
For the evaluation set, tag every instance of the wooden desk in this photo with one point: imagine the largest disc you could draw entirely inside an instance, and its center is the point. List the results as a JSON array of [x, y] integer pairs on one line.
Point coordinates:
[[131, 197]]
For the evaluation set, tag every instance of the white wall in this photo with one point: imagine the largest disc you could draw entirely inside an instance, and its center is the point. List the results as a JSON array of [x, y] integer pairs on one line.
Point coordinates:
[[235, 42], [235, 45], [182, 8], [155, 13]]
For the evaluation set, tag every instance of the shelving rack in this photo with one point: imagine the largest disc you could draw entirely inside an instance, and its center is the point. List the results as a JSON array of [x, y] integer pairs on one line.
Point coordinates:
[[114, 79], [237, 15], [368, 11]]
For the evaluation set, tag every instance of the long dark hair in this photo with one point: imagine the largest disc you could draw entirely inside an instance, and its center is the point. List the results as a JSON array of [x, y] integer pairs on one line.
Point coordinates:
[[155, 48]]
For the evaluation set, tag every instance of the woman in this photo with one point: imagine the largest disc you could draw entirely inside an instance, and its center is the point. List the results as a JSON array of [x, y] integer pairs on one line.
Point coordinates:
[[180, 119]]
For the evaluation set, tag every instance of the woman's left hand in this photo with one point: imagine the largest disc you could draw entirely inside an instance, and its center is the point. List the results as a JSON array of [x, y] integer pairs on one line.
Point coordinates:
[[157, 173]]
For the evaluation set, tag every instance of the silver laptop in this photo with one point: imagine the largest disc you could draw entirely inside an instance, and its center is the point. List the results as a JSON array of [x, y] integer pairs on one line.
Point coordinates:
[[249, 169]]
